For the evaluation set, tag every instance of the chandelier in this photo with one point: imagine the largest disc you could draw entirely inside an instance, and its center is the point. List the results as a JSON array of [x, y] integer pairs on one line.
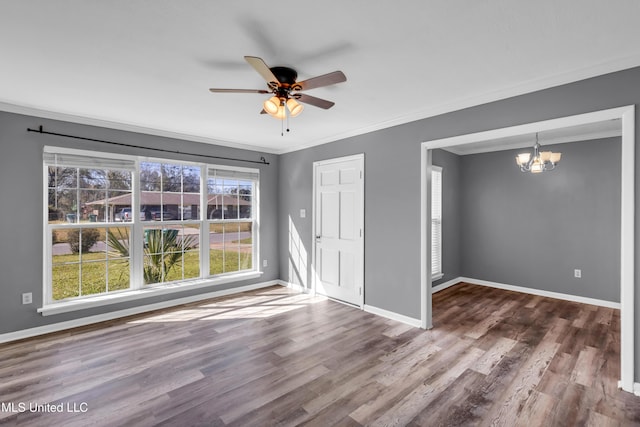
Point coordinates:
[[541, 162]]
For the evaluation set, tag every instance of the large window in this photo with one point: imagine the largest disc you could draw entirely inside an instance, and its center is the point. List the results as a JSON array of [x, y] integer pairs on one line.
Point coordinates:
[[80, 217], [119, 223], [230, 200], [169, 210], [436, 223]]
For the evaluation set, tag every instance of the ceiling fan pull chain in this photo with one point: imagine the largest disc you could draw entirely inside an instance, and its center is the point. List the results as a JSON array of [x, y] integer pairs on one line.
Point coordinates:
[[288, 114]]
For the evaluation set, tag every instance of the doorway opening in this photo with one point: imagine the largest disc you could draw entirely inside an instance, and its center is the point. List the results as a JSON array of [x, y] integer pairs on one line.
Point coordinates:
[[625, 116]]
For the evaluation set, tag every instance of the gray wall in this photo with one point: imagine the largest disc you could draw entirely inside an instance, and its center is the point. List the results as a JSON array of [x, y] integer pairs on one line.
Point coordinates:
[[392, 256], [21, 230], [392, 225], [533, 230]]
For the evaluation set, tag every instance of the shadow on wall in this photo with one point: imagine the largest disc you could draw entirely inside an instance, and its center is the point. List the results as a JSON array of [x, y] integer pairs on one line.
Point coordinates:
[[297, 258]]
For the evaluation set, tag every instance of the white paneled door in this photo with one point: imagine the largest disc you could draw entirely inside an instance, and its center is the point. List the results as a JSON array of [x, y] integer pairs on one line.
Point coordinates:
[[338, 227]]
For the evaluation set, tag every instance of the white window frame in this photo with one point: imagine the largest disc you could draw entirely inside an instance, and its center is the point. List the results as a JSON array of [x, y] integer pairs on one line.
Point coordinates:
[[137, 289], [255, 207], [436, 222], [139, 226]]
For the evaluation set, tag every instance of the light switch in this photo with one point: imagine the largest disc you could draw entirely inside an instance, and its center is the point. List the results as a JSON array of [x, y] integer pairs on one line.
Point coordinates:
[[303, 213]]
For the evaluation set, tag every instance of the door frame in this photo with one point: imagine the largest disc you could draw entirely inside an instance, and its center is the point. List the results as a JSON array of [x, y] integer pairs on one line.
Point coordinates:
[[626, 114], [314, 277]]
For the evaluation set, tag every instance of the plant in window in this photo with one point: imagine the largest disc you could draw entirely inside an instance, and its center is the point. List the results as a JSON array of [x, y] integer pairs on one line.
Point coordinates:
[[163, 250], [55, 214], [119, 242], [82, 239], [55, 238]]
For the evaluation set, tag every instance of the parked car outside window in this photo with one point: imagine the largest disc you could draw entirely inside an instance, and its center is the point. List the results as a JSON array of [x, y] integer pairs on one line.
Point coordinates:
[[162, 215], [125, 215]]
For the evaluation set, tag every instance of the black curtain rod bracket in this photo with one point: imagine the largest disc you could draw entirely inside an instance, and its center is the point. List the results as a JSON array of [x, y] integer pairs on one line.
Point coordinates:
[[41, 130]]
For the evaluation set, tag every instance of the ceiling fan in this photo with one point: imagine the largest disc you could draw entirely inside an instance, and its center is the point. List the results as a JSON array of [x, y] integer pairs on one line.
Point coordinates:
[[281, 82]]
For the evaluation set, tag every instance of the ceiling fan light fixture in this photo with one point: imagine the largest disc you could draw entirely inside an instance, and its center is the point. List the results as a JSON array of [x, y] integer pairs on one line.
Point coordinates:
[[272, 105], [294, 107], [281, 114]]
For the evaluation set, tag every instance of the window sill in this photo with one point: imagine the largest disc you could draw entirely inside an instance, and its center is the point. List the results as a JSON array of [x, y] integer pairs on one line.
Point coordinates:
[[101, 300], [436, 277]]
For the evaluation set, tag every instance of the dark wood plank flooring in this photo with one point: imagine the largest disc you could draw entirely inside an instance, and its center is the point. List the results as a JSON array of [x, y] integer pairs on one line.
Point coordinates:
[[275, 357]]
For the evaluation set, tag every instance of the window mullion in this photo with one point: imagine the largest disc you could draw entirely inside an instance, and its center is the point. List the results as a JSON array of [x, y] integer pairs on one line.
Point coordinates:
[[136, 234], [204, 222], [224, 245], [255, 236], [48, 294]]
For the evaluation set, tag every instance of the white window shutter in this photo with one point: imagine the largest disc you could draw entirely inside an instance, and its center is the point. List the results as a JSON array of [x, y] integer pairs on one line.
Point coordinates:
[[436, 221], [67, 160]]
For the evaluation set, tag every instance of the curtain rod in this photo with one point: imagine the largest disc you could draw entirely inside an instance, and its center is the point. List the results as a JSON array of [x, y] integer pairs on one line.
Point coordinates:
[[41, 130]]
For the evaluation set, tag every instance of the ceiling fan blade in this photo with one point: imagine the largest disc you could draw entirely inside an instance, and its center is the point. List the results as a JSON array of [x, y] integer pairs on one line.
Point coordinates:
[[262, 68], [317, 102], [324, 80], [216, 90]]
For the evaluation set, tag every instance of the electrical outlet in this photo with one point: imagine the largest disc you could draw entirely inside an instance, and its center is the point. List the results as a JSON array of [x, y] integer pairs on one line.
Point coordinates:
[[27, 298], [265, 263], [577, 273]]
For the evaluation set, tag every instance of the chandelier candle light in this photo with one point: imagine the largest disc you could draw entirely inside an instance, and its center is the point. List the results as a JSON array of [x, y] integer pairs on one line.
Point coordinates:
[[541, 162]]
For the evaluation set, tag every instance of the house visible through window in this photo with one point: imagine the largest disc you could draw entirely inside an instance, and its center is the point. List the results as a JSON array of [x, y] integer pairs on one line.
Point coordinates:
[[120, 223], [436, 223], [230, 201]]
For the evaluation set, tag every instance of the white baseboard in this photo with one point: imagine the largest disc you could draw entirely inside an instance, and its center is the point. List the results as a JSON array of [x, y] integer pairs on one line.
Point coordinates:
[[393, 316], [293, 286], [557, 295], [83, 321], [636, 388], [61, 326], [445, 285]]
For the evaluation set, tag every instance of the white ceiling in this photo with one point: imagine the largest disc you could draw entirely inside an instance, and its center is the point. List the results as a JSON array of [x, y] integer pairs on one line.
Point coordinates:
[[147, 65]]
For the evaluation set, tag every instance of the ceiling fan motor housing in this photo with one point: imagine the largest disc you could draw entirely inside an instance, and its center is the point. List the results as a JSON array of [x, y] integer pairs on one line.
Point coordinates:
[[286, 82], [285, 75]]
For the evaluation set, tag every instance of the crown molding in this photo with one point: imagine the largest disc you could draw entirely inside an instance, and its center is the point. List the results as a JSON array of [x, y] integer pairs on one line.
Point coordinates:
[[129, 127], [612, 66], [534, 85]]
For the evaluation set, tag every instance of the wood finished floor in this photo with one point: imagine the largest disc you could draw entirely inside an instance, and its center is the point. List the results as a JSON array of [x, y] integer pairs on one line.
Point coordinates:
[[275, 357]]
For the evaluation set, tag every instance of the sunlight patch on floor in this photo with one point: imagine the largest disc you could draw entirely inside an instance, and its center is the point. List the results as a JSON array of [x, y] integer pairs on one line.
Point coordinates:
[[243, 307]]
